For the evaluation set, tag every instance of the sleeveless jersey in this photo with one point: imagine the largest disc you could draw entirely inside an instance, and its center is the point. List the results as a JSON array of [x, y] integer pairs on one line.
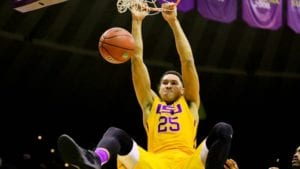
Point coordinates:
[[171, 127]]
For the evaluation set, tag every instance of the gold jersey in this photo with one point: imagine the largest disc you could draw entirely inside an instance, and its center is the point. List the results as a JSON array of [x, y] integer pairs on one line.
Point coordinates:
[[171, 127]]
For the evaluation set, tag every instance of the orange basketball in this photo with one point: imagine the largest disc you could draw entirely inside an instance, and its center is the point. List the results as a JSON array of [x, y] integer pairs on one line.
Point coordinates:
[[116, 45]]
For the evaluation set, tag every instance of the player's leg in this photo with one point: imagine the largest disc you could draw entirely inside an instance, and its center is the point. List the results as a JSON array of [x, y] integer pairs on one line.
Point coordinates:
[[218, 144], [118, 142]]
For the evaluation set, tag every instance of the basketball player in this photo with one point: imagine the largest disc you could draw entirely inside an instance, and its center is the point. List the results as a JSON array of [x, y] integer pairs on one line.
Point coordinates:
[[295, 160], [170, 117]]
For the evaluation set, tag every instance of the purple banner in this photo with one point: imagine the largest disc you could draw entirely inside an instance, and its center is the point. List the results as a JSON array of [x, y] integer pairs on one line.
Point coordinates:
[[183, 6], [218, 10], [266, 14], [18, 3], [293, 15]]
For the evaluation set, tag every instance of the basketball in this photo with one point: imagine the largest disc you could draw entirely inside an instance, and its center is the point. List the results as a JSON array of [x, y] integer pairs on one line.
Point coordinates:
[[116, 45]]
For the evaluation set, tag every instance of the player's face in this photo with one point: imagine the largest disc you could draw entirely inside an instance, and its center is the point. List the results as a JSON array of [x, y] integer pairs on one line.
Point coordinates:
[[296, 159], [170, 88]]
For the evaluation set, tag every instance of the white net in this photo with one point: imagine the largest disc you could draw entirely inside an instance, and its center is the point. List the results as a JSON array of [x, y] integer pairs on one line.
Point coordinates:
[[149, 5]]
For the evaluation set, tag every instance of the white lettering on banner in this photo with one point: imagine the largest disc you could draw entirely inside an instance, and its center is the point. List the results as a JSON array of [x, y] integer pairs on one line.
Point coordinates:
[[264, 4]]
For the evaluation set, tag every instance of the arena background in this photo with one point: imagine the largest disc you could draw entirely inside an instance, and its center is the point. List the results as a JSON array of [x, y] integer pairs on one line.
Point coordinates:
[[53, 81]]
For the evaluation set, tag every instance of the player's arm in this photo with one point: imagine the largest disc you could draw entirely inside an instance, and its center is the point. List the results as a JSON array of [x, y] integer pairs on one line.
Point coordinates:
[[189, 72], [140, 75]]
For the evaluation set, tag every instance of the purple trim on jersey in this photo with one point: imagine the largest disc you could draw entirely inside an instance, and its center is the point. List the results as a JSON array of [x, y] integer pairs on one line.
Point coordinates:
[[293, 15], [103, 155], [265, 14], [183, 6], [18, 3], [219, 10]]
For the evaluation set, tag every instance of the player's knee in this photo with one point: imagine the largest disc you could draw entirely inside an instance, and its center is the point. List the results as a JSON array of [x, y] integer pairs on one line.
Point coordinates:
[[224, 130], [124, 139], [114, 132], [117, 133]]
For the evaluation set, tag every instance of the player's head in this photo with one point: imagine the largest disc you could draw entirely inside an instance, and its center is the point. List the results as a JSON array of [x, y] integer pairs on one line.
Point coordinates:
[[296, 159], [171, 86]]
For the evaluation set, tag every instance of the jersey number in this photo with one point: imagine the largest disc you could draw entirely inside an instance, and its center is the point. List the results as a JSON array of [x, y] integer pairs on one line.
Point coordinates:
[[168, 124]]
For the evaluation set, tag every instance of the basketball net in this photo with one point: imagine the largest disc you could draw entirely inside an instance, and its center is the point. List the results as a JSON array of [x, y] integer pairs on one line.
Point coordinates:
[[145, 5]]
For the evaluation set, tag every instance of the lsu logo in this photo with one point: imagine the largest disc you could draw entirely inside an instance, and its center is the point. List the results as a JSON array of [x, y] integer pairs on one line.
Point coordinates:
[[172, 109]]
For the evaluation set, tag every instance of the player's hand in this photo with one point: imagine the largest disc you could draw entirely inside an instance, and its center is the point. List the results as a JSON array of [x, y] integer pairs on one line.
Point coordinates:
[[230, 164], [139, 11], [169, 11]]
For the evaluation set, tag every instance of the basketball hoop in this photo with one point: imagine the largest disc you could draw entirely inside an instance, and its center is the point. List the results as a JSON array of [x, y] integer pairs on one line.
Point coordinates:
[[148, 6]]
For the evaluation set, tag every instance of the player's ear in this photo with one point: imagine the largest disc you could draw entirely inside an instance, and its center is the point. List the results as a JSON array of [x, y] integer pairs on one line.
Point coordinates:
[[182, 90]]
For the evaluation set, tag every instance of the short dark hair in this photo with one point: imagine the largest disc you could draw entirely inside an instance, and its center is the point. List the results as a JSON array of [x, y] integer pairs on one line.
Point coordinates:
[[173, 72]]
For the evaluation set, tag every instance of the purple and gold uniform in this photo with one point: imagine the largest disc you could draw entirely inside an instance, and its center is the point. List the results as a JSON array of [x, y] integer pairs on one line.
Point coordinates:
[[171, 131]]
